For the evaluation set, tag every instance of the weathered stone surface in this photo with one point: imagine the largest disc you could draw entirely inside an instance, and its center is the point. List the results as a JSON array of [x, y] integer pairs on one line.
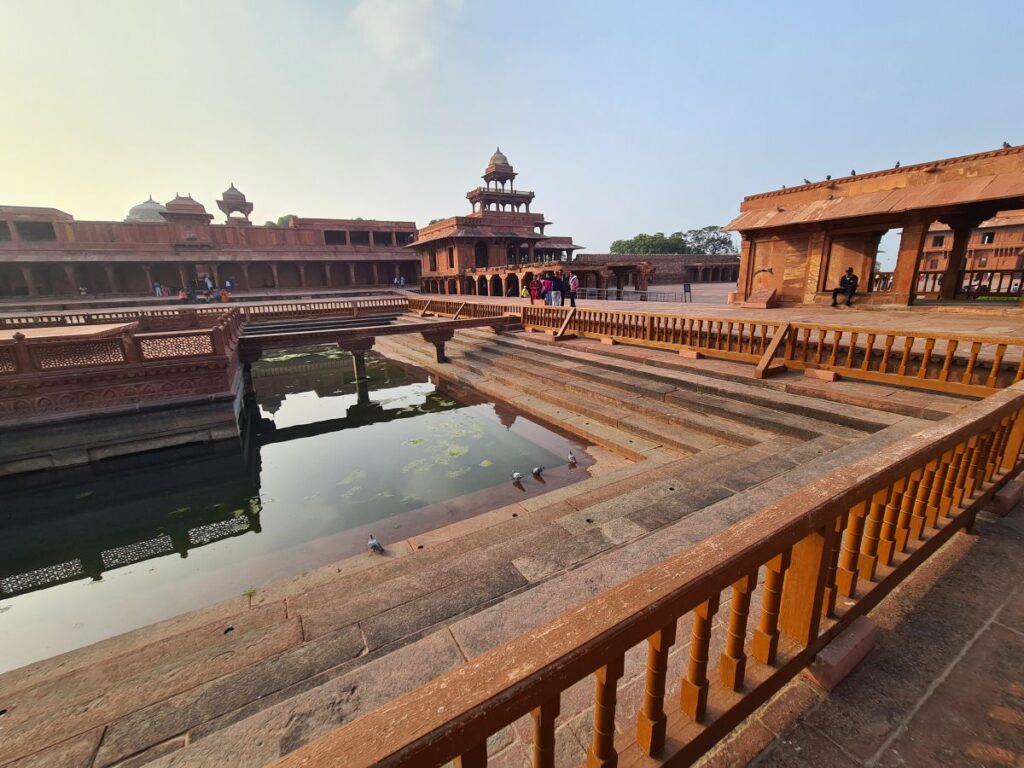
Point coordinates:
[[76, 752], [33, 721], [292, 723], [181, 713]]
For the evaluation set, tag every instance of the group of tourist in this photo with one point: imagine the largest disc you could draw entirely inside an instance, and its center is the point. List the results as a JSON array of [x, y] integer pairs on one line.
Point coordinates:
[[551, 288], [398, 282], [203, 289]]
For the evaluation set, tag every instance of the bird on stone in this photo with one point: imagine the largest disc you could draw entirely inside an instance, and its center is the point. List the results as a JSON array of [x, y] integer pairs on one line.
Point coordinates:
[[853, 173], [807, 181], [517, 476], [897, 164], [538, 471], [374, 545], [1006, 145], [828, 177], [572, 457]]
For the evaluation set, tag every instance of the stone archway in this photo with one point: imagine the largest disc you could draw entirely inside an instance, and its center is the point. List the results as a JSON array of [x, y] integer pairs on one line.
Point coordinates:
[[513, 285], [495, 287], [452, 286], [481, 286]]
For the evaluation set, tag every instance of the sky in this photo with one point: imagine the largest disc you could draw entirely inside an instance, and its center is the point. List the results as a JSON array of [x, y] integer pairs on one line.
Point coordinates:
[[623, 117]]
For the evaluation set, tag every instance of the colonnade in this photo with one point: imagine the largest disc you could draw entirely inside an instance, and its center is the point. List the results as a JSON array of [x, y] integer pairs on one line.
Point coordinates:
[[90, 278]]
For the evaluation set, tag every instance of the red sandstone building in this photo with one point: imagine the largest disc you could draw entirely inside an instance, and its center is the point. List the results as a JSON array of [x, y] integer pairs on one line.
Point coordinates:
[[489, 251], [46, 252], [960, 222]]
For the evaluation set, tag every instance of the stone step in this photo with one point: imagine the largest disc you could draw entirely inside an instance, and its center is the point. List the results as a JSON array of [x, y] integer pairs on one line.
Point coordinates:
[[856, 417], [626, 409], [700, 403]]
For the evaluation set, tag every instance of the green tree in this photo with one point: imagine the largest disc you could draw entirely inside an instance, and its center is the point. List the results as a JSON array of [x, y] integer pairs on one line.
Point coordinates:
[[282, 221], [708, 240]]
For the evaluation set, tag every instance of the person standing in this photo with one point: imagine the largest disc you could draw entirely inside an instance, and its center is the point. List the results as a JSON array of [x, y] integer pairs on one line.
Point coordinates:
[[156, 288], [535, 290], [547, 285], [574, 287], [559, 289]]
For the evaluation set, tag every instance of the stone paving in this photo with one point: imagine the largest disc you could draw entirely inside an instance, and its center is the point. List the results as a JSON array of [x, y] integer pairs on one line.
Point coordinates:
[[685, 448], [944, 686]]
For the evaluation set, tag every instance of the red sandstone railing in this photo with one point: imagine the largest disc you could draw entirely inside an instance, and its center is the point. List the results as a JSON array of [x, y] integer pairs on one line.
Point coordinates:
[[803, 568], [42, 377], [964, 364], [205, 317]]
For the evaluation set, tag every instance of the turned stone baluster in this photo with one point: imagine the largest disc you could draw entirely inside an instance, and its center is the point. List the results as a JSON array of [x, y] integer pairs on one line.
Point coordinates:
[[734, 659], [693, 695], [883, 366], [929, 345], [908, 344], [828, 603], [544, 733], [918, 516], [907, 510], [972, 360], [946, 501], [602, 749], [868, 558], [837, 337], [976, 467], [992, 460], [934, 500], [887, 535], [650, 726], [964, 471], [1014, 442], [846, 569], [997, 362], [951, 346], [766, 636], [851, 349]]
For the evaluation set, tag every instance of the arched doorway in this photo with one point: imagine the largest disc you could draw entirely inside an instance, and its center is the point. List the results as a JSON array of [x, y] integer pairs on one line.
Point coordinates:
[[481, 286], [495, 286], [480, 255], [453, 287], [513, 285]]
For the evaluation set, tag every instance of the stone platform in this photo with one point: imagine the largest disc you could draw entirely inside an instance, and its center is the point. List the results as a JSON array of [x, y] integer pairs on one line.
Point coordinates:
[[687, 447]]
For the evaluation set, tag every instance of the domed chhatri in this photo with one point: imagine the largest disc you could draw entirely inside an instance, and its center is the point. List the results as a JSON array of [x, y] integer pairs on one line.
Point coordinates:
[[233, 201], [498, 158], [184, 205], [146, 211]]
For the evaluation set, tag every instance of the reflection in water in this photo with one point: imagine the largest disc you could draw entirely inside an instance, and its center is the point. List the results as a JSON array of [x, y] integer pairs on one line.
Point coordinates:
[[321, 464]]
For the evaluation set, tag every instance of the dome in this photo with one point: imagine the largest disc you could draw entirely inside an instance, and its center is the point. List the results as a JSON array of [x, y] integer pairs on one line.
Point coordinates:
[[148, 210], [185, 205], [232, 194], [498, 158]]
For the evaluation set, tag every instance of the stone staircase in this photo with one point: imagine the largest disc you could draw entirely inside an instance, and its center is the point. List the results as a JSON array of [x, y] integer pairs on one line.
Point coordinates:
[[241, 683]]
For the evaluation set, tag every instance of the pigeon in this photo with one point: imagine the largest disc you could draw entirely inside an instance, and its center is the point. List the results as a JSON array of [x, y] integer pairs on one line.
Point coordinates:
[[853, 173], [572, 457], [538, 471], [375, 546], [897, 164], [807, 181], [828, 177], [517, 476], [1006, 145]]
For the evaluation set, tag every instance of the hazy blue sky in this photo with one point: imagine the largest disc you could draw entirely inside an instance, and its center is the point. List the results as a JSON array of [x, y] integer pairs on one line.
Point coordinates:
[[623, 117]]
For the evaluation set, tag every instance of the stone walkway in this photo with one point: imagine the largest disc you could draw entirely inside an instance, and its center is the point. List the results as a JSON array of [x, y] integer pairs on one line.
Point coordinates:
[[944, 687]]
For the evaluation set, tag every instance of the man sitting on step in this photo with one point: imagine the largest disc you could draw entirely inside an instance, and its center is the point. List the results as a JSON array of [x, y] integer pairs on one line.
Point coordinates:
[[847, 286]]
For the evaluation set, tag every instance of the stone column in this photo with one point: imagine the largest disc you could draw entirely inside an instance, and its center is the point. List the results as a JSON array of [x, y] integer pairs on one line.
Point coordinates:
[[327, 273], [183, 275], [71, 273], [30, 282], [111, 277], [302, 275], [351, 273], [904, 277], [147, 269], [273, 269], [962, 227], [438, 337], [376, 273]]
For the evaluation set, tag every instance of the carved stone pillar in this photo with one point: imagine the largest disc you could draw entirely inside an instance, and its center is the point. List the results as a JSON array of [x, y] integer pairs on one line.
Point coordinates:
[[30, 280], [438, 337]]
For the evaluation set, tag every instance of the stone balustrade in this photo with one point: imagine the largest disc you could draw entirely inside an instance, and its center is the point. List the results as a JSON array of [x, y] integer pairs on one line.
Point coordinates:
[[785, 581]]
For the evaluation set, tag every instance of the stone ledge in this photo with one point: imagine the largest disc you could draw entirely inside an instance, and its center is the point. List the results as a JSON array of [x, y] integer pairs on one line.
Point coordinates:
[[837, 659]]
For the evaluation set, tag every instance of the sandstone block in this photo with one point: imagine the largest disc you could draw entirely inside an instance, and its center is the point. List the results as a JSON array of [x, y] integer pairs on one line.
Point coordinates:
[[820, 374], [838, 658]]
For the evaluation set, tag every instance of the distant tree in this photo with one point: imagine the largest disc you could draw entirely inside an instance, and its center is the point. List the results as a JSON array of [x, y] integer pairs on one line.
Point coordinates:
[[708, 240], [282, 221], [433, 221]]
